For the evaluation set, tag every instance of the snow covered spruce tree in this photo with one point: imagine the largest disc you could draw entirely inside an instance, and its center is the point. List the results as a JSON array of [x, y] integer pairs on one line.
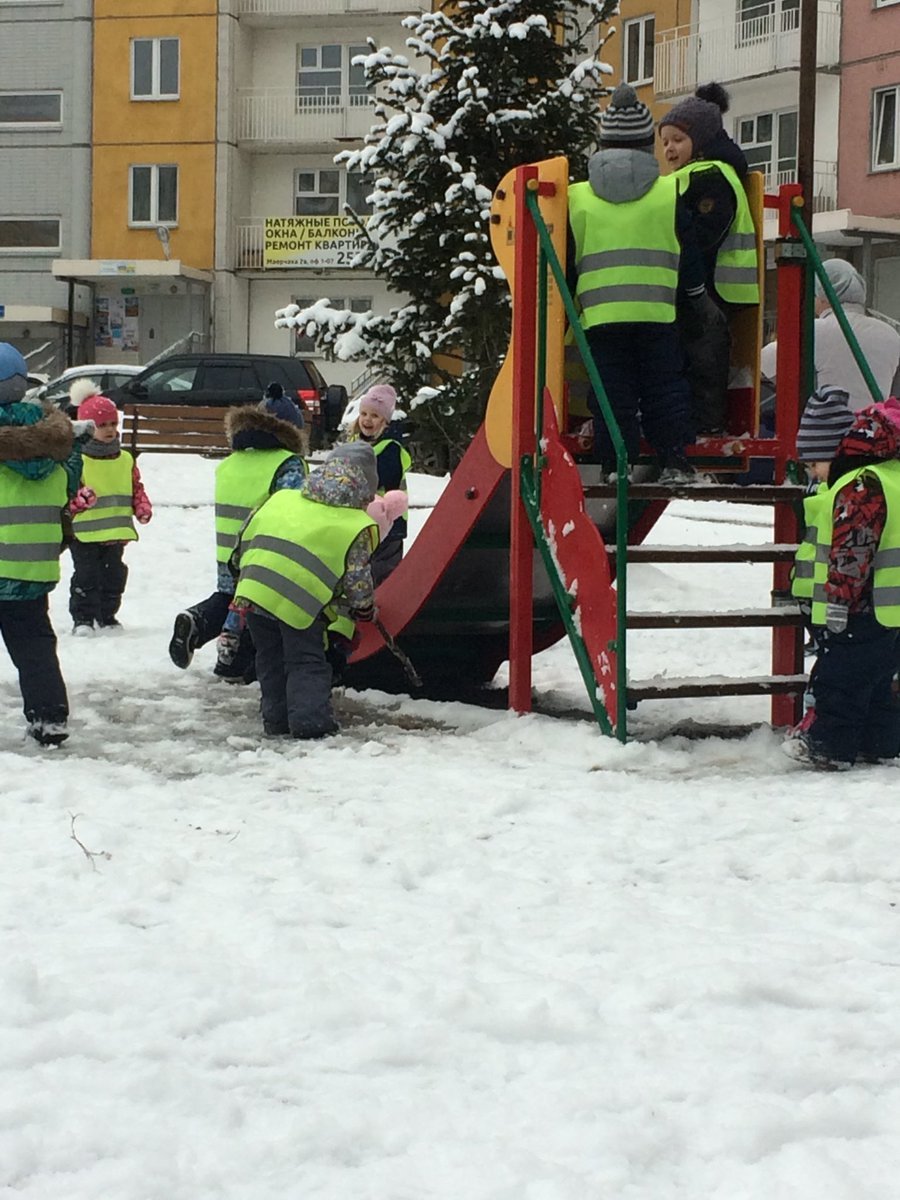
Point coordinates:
[[502, 83]]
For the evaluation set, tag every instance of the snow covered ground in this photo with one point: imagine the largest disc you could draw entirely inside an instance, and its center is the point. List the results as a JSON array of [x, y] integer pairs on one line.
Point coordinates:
[[448, 955]]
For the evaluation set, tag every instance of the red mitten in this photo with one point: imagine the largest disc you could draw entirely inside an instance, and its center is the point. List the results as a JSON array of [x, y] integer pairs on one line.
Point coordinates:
[[83, 499]]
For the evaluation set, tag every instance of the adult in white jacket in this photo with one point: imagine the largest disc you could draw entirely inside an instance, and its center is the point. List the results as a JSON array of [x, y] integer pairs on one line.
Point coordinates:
[[834, 361]]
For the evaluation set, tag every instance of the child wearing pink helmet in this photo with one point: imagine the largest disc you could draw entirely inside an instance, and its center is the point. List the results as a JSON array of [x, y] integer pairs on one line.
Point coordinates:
[[100, 533]]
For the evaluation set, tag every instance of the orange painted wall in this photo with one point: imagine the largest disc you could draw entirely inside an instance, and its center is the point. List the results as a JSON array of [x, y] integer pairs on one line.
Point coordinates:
[[192, 240], [178, 131]]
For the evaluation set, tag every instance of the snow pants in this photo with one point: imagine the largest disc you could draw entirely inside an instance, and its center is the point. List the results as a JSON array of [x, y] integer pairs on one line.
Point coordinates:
[[294, 677], [98, 581], [386, 559], [31, 643], [641, 367], [857, 712]]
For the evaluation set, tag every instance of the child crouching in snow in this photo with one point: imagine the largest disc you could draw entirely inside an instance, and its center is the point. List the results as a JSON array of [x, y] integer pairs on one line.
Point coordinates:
[[848, 569], [100, 533], [298, 554]]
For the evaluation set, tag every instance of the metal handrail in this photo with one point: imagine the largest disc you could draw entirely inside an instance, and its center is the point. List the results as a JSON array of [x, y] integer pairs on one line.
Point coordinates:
[[836, 306], [548, 255]]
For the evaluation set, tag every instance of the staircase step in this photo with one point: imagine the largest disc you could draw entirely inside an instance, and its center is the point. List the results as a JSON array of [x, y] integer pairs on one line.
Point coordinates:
[[780, 552], [663, 688], [758, 493], [782, 615]]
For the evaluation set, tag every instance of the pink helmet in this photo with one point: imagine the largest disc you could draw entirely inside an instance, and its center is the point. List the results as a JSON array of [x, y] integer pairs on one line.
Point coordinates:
[[99, 410]]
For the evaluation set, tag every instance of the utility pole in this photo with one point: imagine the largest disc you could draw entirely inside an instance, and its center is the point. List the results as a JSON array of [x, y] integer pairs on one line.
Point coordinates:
[[806, 107], [806, 151]]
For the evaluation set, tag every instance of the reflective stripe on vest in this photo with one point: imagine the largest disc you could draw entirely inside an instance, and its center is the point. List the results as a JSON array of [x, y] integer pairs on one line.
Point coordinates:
[[31, 525], [243, 481], [110, 519], [627, 255], [811, 558], [294, 554], [886, 563], [737, 263]]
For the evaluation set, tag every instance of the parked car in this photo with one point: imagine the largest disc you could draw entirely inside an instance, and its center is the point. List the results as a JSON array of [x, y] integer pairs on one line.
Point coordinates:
[[222, 380], [108, 377]]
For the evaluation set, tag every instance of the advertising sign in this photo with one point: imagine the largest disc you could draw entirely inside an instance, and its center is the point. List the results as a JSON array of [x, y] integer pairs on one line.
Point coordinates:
[[311, 241]]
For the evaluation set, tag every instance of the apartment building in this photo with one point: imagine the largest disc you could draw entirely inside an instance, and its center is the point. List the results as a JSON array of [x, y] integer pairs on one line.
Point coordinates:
[[753, 47], [869, 172], [45, 136], [153, 172], [290, 98]]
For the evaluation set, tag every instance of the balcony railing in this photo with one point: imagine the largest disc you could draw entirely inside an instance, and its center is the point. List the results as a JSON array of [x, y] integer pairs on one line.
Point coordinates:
[[824, 189], [282, 115], [248, 245], [688, 55], [311, 8]]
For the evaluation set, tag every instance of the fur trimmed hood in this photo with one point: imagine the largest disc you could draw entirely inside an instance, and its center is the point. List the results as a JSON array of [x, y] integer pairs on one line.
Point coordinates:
[[50, 437], [250, 419]]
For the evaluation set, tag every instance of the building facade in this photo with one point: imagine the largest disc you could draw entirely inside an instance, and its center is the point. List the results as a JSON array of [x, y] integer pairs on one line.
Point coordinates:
[[291, 98], [45, 143]]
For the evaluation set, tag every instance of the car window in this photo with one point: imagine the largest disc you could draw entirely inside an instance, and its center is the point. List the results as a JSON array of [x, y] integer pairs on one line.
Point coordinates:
[[116, 379], [169, 381], [301, 377], [272, 372], [229, 377]]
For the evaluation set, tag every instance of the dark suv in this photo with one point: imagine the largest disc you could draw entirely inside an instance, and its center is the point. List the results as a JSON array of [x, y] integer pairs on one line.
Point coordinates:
[[227, 379]]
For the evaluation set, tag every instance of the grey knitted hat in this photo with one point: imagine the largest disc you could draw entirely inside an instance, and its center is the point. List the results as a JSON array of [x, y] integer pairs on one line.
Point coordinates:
[[361, 456], [825, 421], [626, 121], [700, 119]]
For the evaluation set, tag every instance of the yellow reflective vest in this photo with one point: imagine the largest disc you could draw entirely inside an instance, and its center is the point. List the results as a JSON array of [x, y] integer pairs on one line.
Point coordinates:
[[816, 547], [294, 555], [110, 519], [627, 255], [31, 525], [737, 267], [243, 481]]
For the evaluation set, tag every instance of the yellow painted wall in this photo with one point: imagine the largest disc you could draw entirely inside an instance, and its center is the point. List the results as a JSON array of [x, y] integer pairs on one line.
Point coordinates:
[[192, 240], [128, 132], [669, 14]]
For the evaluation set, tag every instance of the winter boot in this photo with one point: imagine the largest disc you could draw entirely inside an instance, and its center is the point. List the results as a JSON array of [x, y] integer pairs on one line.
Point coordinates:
[[184, 639]]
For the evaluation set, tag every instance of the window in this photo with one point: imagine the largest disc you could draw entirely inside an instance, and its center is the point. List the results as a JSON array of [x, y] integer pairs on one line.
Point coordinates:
[[639, 50], [153, 195], [769, 141], [230, 377], [154, 68], [885, 141], [323, 193], [28, 109], [761, 19], [327, 78], [29, 233], [357, 304], [169, 381]]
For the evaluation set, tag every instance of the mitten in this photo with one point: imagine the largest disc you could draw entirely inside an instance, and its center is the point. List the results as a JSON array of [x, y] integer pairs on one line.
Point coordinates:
[[83, 430], [83, 499], [836, 618]]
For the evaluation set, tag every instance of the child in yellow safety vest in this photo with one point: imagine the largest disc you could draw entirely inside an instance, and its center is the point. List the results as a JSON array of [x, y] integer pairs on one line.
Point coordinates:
[[710, 169], [100, 534], [376, 410], [847, 572]]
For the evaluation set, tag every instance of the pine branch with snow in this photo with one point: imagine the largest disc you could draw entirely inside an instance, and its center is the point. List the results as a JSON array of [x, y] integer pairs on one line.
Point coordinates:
[[488, 86]]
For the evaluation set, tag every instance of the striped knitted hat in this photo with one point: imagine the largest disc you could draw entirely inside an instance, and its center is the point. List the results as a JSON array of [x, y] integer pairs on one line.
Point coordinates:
[[626, 121], [825, 421]]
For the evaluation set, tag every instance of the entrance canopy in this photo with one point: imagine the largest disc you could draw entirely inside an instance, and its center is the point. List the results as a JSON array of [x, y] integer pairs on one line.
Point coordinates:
[[131, 270]]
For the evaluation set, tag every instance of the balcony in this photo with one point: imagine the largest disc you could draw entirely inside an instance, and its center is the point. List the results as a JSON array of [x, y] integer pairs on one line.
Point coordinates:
[[277, 117], [824, 197], [248, 245], [272, 12], [687, 55]]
